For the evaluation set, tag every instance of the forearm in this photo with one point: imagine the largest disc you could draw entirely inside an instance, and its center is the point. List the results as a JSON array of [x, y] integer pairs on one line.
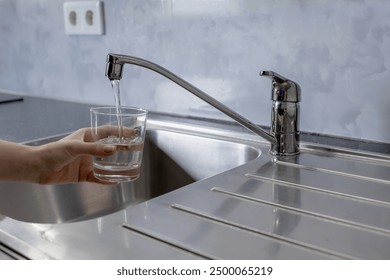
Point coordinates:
[[18, 162]]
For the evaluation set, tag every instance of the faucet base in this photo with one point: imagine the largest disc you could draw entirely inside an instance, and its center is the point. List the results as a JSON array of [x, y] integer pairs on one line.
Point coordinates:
[[287, 145]]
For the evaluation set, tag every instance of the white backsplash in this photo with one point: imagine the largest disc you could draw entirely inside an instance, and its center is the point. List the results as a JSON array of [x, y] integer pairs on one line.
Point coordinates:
[[338, 51]]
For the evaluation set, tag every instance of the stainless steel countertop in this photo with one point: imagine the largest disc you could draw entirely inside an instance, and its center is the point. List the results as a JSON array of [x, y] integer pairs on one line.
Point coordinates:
[[326, 203], [320, 205]]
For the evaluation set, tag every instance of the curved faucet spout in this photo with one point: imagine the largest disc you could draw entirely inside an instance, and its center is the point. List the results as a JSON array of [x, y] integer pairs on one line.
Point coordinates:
[[114, 67]]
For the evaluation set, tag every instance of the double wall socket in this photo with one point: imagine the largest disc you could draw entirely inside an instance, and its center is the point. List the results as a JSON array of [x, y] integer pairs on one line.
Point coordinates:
[[84, 17]]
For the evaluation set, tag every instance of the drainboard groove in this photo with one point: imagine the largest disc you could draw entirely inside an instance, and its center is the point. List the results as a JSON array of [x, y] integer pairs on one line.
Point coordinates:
[[324, 170], [360, 226], [314, 189], [11, 252], [177, 246], [265, 234]]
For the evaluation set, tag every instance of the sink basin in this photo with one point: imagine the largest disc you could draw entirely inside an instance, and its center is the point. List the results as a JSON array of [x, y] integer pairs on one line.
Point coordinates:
[[172, 159]]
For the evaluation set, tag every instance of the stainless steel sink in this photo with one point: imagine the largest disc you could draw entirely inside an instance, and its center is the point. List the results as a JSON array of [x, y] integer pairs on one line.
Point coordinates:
[[174, 156], [326, 203]]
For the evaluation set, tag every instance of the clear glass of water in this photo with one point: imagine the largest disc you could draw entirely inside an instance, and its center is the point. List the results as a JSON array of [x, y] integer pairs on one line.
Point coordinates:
[[125, 128]]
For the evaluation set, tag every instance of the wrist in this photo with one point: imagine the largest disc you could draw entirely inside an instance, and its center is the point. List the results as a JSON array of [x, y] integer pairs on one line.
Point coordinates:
[[34, 164]]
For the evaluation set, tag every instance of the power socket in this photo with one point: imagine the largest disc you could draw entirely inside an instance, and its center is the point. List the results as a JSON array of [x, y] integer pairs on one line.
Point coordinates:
[[84, 18]]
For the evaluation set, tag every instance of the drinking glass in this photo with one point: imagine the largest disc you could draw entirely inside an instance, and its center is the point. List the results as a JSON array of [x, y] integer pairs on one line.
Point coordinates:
[[123, 127]]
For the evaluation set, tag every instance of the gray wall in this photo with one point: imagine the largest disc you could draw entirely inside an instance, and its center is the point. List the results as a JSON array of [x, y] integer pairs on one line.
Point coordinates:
[[338, 51]]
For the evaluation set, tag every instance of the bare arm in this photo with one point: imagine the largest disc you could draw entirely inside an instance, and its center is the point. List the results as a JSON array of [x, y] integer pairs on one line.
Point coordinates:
[[18, 162], [68, 160]]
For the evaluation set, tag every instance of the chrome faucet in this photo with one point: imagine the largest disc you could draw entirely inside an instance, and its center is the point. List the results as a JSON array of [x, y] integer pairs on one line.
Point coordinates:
[[286, 94]]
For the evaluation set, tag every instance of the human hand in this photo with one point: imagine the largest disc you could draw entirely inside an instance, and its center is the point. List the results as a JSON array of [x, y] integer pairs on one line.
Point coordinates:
[[69, 160]]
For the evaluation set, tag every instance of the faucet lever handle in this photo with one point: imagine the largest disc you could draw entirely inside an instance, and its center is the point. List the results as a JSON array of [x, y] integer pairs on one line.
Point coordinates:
[[283, 89], [274, 76]]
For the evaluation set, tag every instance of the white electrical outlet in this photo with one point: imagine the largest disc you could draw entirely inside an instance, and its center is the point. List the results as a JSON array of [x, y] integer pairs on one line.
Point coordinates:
[[84, 18]]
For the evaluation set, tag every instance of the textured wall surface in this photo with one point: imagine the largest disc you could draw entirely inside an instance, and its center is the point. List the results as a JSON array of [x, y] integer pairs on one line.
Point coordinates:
[[338, 51]]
